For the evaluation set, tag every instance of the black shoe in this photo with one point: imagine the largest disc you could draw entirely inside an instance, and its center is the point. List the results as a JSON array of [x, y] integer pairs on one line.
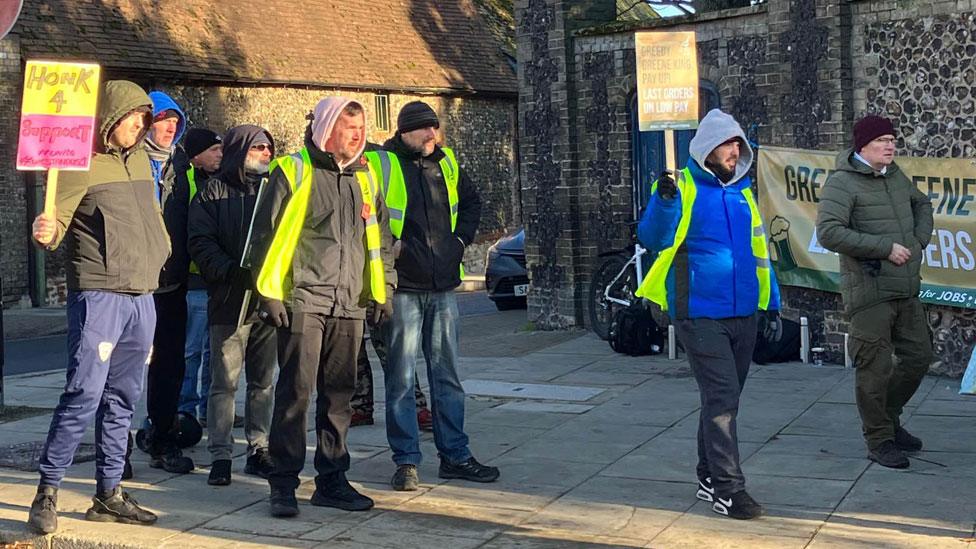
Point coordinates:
[[119, 507], [172, 462], [468, 470], [405, 478], [43, 517], [127, 470], [219, 473], [887, 454], [259, 463], [906, 442], [739, 505], [283, 503], [338, 493], [706, 492]]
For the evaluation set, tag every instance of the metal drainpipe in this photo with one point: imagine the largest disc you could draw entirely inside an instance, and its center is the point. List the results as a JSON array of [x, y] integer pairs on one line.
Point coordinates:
[[39, 278]]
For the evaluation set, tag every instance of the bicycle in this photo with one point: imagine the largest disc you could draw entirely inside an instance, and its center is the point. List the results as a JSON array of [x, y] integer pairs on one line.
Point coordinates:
[[614, 283]]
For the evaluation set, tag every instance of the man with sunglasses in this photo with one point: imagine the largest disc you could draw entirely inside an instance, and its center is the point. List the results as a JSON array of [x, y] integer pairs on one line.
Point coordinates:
[[872, 214], [116, 247], [220, 220]]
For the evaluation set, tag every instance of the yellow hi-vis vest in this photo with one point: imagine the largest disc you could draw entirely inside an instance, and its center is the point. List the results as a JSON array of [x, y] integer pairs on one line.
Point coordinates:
[[275, 278], [395, 188], [654, 285], [191, 177]]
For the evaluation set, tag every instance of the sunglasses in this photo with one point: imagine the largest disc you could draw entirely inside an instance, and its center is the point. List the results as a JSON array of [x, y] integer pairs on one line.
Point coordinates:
[[262, 147]]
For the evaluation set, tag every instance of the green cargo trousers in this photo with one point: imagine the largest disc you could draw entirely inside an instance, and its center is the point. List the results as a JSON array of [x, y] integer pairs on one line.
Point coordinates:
[[881, 386]]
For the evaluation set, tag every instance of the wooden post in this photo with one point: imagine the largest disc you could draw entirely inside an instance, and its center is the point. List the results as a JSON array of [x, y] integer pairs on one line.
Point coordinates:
[[51, 191]]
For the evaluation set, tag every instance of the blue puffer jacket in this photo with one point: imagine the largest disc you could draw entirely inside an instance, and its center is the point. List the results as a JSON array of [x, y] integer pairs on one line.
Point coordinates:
[[721, 269]]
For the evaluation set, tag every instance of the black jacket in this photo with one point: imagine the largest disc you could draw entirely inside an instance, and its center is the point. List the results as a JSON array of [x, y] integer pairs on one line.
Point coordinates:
[[220, 215], [431, 253], [109, 216], [330, 258], [194, 281], [175, 200]]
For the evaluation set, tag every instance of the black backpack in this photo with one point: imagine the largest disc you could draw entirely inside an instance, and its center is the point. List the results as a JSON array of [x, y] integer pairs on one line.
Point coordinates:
[[633, 332]]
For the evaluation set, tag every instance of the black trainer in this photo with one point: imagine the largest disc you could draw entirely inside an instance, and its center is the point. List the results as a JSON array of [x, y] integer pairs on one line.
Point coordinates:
[[887, 454], [127, 470], [119, 506], [219, 473], [468, 470], [43, 517], [259, 463], [706, 492], [906, 442], [283, 503], [338, 493], [405, 478], [172, 462], [739, 505]]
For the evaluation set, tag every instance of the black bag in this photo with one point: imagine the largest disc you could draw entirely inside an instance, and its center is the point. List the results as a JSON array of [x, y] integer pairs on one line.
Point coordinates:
[[633, 332], [787, 349]]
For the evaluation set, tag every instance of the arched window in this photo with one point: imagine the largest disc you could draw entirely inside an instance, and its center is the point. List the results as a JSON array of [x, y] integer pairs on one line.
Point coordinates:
[[648, 152]]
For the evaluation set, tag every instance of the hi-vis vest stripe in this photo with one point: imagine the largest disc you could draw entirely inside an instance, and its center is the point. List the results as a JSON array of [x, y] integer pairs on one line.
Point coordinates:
[[191, 177], [654, 286], [275, 278], [395, 188]]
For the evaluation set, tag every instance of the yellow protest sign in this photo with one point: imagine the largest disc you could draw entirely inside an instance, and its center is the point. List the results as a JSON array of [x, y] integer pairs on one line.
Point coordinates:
[[667, 80]]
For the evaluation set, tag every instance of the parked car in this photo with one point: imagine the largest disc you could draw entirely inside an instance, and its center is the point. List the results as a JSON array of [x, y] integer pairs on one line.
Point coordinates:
[[506, 279]]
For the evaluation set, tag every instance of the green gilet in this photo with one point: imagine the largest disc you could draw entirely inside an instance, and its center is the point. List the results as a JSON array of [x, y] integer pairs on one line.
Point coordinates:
[[274, 280], [654, 285], [191, 177], [395, 188]]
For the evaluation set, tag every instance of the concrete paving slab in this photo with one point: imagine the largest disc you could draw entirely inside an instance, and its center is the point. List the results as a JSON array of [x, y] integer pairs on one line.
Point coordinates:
[[508, 418], [502, 389], [602, 379], [823, 494], [454, 521], [586, 429], [374, 537], [945, 389], [781, 527], [825, 418], [555, 407], [953, 408], [666, 458], [944, 433], [844, 532], [812, 466], [495, 495], [205, 537], [805, 445], [588, 344], [558, 540], [592, 452]]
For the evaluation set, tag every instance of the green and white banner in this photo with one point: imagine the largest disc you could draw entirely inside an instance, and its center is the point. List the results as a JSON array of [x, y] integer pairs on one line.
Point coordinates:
[[790, 181]]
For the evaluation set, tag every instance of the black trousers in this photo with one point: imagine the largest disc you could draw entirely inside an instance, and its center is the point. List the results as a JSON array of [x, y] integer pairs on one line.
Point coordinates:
[[319, 352], [720, 353], [166, 369]]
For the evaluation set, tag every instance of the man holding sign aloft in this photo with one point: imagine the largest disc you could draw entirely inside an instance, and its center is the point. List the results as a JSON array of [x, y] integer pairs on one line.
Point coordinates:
[[117, 245]]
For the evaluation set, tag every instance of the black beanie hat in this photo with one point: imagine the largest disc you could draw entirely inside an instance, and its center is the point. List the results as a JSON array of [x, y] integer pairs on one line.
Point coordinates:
[[416, 115], [198, 140], [870, 128]]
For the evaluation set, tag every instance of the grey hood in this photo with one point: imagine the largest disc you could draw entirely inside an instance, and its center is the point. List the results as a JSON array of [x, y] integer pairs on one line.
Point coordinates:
[[717, 128]]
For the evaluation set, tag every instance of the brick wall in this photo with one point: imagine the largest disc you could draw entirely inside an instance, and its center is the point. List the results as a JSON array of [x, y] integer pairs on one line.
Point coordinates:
[[794, 73], [13, 191]]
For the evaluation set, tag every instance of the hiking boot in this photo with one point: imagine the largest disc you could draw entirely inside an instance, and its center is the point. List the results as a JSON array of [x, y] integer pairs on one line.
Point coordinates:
[[43, 517], [706, 492], [219, 473], [283, 503], [172, 462], [425, 419], [338, 493], [405, 478], [361, 418], [906, 442], [118, 506], [887, 454], [259, 463], [739, 505], [468, 470]]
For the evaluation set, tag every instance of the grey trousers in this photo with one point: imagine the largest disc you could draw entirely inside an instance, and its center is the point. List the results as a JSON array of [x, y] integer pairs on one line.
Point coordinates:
[[253, 348], [720, 353]]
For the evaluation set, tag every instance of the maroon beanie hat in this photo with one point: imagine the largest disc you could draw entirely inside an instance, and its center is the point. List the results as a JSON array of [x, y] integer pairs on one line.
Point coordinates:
[[870, 128]]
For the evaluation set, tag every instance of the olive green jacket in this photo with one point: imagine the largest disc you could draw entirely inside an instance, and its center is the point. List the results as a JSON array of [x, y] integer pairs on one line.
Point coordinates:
[[861, 214]]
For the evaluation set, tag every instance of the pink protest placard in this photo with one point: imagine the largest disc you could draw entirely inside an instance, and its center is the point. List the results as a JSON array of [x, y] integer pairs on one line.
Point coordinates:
[[52, 141]]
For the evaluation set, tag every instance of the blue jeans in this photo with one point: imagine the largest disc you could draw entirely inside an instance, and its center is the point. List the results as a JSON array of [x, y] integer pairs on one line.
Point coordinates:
[[197, 356], [430, 320]]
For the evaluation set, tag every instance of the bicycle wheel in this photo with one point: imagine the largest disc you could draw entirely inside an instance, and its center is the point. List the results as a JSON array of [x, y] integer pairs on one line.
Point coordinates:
[[601, 310]]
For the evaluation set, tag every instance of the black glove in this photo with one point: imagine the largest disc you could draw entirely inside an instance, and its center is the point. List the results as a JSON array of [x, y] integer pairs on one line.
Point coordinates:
[[772, 326], [272, 312], [378, 313], [666, 188], [241, 278]]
